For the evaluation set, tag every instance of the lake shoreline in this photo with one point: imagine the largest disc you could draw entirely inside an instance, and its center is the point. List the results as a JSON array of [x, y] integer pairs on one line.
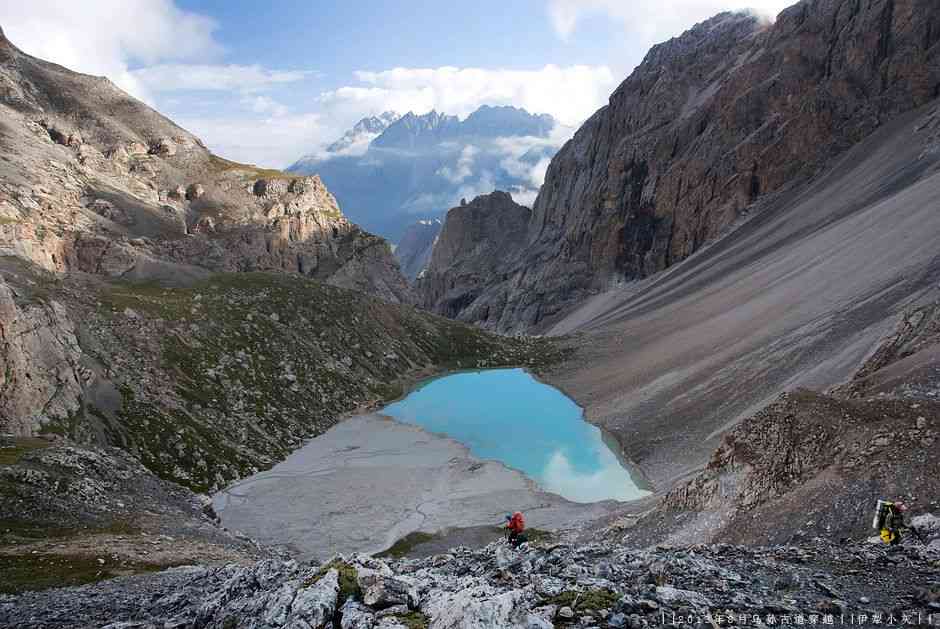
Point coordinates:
[[314, 503], [512, 416]]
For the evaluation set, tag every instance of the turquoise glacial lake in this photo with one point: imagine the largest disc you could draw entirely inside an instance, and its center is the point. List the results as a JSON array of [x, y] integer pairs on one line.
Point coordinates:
[[507, 415]]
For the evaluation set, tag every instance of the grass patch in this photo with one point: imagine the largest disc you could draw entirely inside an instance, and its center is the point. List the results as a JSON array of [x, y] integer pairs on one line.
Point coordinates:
[[26, 573], [148, 298], [539, 535], [14, 531], [588, 600], [348, 580], [250, 171], [405, 545], [413, 620], [11, 454]]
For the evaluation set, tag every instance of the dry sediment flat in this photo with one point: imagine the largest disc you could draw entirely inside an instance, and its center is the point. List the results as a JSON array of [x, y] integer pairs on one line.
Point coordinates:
[[370, 481], [796, 296]]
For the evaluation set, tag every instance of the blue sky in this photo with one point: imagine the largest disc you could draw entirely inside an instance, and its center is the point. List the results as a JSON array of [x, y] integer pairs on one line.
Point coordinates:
[[269, 82], [342, 37]]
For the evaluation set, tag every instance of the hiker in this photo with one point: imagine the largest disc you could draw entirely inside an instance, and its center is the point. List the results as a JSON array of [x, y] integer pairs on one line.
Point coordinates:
[[515, 523], [889, 520]]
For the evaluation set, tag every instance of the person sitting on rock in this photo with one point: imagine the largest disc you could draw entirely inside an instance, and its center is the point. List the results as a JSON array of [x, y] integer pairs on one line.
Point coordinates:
[[515, 523]]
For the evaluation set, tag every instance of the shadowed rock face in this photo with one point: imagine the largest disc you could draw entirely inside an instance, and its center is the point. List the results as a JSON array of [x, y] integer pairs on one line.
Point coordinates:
[[709, 122], [414, 250], [474, 243], [98, 182]]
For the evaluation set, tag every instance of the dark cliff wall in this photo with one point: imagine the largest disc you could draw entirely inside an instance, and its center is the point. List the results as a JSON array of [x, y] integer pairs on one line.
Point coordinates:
[[710, 121]]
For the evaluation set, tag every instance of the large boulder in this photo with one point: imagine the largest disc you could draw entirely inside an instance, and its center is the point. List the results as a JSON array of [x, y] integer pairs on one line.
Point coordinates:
[[313, 606], [674, 597], [356, 616], [381, 591], [479, 607]]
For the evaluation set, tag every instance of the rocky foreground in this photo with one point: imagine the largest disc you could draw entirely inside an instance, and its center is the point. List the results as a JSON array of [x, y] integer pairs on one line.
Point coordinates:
[[552, 584]]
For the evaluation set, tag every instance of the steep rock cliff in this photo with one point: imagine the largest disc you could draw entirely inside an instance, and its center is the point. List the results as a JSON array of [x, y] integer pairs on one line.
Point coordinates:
[[474, 243], [41, 376], [712, 120]]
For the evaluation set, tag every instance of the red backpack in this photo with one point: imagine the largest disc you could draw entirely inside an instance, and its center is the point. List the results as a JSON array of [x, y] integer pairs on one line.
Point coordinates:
[[517, 523]]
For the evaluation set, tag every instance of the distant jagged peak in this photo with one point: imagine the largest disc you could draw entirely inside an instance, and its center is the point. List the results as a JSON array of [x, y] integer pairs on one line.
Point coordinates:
[[487, 121], [507, 120], [363, 132], [375, 124]]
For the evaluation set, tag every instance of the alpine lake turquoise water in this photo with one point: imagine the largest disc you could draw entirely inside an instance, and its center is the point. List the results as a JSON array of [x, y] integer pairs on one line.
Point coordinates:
[[508, 416]]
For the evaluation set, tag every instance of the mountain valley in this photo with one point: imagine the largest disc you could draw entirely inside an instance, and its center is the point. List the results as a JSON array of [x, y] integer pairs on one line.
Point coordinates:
[[731, 268]]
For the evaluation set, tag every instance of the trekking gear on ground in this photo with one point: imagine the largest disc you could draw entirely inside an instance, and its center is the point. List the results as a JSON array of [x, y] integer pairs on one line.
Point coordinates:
[[881, 512]]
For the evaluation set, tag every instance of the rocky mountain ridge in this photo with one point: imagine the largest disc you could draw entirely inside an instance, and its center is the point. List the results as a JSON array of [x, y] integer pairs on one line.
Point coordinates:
[[731, 111], [363, 132], [413, 130], [420, 165], [100, 183]]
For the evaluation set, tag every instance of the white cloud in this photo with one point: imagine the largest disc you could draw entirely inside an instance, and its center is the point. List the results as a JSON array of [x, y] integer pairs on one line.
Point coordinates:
[[523, 196], [464, 166], [483, 184], [178, 77], [271, 141], [265, 105], [161, 53], [570, 94], [106, 36], [652, 22]]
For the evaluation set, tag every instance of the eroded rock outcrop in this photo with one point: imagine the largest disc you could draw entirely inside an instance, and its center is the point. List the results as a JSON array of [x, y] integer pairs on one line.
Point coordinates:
[[99, 182], [476, 240], [730, 111], [41, 376]]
